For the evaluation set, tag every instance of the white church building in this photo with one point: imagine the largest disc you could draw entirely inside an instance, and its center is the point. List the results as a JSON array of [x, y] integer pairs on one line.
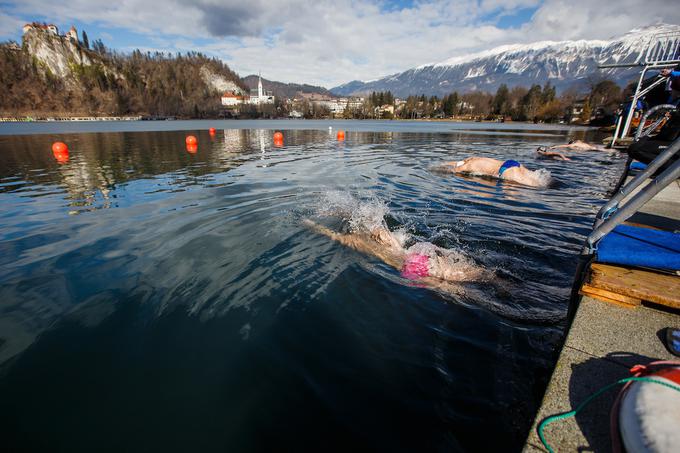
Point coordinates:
[[259, 96]]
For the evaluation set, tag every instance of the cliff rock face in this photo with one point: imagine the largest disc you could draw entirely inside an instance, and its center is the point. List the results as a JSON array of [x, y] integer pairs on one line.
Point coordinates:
[[57, 54], [218, 82], [565, 64]]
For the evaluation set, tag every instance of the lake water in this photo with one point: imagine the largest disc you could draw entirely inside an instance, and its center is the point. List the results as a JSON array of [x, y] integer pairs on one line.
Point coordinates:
[[156, 299]]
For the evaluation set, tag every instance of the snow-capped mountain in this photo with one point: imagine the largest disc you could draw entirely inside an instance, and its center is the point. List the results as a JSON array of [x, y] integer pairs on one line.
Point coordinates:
[[565, 64]]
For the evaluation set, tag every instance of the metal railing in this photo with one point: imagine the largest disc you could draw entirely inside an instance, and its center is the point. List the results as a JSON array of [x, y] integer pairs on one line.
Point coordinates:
[[663, 51], [663, 48], [610, 215]]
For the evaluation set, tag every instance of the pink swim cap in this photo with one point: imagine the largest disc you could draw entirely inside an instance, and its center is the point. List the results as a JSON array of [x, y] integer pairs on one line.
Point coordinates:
[[416, 266]]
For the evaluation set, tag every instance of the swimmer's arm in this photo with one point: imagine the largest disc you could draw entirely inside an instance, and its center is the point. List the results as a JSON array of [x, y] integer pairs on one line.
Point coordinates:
[[553, 154], [349, 240], [358, 243]]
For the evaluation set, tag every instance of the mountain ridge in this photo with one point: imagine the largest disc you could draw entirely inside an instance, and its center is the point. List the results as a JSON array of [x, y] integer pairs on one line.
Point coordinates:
[[283, 89], [565, 64]]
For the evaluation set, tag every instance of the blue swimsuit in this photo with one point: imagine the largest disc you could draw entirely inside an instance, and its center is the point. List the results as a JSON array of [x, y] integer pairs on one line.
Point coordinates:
[[507, 164]]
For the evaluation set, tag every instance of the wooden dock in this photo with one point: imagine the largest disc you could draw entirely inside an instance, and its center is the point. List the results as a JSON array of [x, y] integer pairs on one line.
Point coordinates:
[[618, 324]]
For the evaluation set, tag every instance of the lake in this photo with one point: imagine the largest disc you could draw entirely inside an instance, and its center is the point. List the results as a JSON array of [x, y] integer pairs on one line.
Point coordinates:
[[153, 298]]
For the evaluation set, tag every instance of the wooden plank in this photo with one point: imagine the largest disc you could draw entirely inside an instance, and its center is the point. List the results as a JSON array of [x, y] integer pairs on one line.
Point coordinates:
[[610, 296], [662, 289], [607, 300], [641, 225]]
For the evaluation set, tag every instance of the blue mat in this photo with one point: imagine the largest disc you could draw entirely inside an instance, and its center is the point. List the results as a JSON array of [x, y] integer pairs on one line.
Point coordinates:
[[635, 246], [635, 165]]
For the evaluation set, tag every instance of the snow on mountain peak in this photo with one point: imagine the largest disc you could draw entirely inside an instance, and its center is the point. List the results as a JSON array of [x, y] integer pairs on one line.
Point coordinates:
[[565, 63]]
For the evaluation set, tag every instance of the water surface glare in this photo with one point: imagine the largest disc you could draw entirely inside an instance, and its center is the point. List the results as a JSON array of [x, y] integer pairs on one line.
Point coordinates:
[[157, 299]]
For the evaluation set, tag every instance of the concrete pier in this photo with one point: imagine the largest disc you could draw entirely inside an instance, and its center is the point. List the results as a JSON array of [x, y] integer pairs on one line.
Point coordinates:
[[603, 343]]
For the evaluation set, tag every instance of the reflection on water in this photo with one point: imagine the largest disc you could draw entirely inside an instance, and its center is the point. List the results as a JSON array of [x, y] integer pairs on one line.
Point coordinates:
[[144, 285]]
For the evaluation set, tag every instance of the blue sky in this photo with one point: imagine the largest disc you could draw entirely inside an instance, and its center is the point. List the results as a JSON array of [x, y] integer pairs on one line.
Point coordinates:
[[332, 42]]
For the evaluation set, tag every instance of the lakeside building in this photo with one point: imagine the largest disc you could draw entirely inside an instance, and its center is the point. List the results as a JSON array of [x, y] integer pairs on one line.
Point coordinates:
[[259, 96], [232, 99], [335, 106]]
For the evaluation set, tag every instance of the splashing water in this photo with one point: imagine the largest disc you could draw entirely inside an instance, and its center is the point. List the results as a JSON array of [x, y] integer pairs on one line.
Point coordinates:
[[542, 177], [362, 216]]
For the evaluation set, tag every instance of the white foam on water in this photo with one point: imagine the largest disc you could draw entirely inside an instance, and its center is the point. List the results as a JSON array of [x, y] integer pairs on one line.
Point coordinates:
[[542, 177], [362, 215]]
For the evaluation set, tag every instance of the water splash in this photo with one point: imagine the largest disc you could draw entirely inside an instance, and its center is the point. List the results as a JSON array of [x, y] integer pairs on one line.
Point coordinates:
[[542, 177], [363, 213]]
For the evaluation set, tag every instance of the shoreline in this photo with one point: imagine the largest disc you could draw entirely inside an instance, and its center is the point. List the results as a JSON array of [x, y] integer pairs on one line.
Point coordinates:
[[66, 119], [379, 126]]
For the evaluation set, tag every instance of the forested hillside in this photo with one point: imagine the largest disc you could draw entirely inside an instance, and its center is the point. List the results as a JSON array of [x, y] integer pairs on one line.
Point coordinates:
[[51, 75]]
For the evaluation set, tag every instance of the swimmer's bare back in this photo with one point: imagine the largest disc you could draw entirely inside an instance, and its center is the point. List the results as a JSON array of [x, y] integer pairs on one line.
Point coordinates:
[[491, 167], [579, 145]]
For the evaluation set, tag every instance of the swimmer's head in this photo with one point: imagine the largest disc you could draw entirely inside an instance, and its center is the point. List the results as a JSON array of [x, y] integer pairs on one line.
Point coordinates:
[[571, 141], [416, 266]]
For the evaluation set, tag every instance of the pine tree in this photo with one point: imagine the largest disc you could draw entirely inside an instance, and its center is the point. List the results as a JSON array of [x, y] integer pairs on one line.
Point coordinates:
[[548, 94], [586, 112], [86, 41], [500, 101]]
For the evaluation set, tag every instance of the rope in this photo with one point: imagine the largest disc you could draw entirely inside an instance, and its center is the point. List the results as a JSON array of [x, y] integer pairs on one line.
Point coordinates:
[[588, 400]]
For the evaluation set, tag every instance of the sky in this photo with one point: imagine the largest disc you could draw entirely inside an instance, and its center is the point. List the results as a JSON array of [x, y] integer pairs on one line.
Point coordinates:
[[329, 43]]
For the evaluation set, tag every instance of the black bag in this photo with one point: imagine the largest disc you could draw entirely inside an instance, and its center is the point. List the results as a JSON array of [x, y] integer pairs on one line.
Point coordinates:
[[648, 148]]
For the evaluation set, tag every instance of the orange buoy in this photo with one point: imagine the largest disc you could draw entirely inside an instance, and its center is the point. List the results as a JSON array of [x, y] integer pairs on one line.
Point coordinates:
[[191, 140], [192, 148], [61, 157], [278, 143], [341, 135], [278, 136], [212, 131], [59, 147]]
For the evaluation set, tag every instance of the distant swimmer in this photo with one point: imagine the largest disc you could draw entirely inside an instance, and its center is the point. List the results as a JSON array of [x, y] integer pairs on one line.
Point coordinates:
[[425, 262], [510, 170], [578, 145], [542, 152]]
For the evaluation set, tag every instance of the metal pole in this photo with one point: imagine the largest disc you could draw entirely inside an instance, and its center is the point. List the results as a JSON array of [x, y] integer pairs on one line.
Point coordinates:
[[626, 190], [630, 208], [616, 131], [633, 104]]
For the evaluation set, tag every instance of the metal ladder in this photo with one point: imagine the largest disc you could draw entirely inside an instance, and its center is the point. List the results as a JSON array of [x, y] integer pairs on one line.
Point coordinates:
[[611, 215]]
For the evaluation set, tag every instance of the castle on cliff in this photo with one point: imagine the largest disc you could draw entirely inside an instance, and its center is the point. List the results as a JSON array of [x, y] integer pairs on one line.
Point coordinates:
[[72, 34]]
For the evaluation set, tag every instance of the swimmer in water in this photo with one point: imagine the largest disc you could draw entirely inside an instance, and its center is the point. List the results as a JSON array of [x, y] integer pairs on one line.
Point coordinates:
[[543, 152], [510, 170], [425, 262], [578, 145]]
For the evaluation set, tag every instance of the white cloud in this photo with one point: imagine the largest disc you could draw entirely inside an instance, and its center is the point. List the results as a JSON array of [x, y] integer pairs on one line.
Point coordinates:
[[9, 25], [331, 42], [588, 19]]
